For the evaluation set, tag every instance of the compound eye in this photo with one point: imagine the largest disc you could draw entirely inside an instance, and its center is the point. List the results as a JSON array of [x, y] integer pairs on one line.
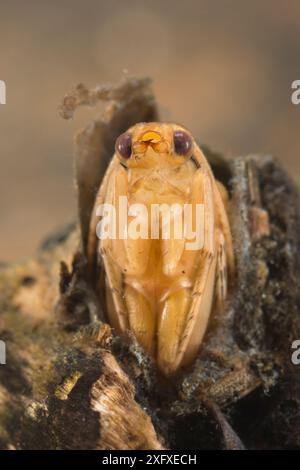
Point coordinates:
[[124, 145], [182, 143]]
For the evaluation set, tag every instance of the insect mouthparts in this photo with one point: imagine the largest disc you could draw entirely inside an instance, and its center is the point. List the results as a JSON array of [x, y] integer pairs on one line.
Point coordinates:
[[151, 137]]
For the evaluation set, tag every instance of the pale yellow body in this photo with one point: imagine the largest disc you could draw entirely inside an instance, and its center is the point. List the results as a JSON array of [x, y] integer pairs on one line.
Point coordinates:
[[157, 288]]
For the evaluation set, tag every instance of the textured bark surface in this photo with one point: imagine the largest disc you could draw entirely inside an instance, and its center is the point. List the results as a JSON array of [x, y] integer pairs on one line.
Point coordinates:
[[69, 382]]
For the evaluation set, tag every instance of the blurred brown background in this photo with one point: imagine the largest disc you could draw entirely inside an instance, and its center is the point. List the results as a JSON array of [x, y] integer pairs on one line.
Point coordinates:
[[222, 68]]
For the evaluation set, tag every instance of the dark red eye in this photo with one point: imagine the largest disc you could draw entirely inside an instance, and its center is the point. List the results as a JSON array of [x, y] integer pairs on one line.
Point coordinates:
[[124, 145], [182, 143]]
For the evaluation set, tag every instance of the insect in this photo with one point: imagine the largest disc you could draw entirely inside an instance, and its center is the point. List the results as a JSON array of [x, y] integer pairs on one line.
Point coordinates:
[[156, 287]]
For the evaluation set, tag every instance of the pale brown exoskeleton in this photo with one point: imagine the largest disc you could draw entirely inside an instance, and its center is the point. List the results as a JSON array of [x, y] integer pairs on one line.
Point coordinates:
[[155, 286]]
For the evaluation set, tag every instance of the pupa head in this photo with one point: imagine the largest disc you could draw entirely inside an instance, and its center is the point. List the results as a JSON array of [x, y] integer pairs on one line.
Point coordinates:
[[150, 145]]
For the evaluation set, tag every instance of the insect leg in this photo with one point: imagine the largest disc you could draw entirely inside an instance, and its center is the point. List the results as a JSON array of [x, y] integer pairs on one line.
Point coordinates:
[[220, 206], [142, 319], [221, 273], [92, 241], [112, 253], [170, 327]]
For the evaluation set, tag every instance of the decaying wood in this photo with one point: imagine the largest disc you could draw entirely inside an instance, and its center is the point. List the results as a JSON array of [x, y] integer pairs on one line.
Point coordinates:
[[70, 382]]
